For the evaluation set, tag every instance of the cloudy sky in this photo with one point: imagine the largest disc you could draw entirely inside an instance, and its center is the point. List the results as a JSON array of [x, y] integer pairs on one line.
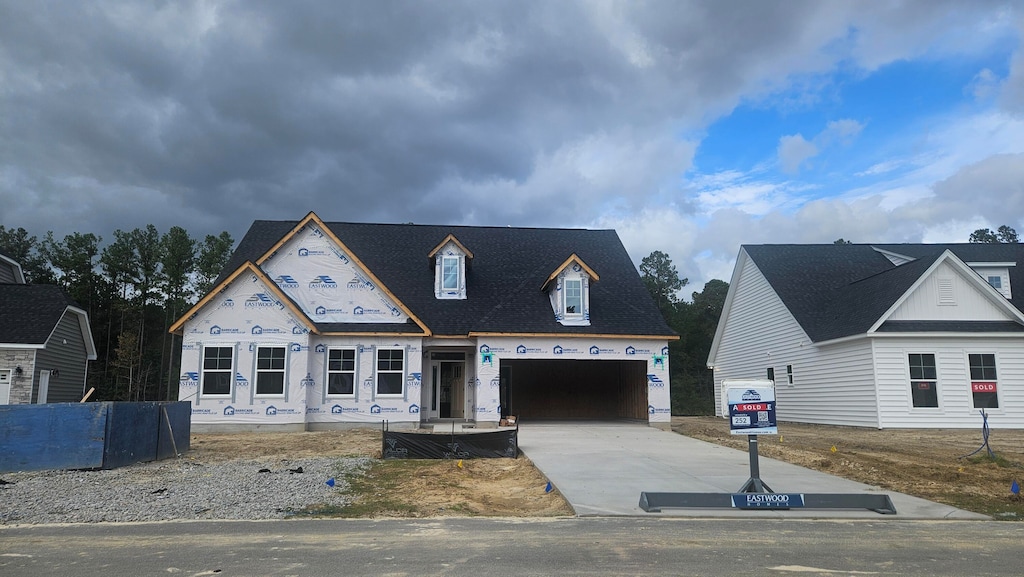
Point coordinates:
[[689, 127]]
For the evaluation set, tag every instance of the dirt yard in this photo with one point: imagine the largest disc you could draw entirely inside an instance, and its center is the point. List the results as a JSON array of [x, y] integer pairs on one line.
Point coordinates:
[[401, 488], [925, 463]]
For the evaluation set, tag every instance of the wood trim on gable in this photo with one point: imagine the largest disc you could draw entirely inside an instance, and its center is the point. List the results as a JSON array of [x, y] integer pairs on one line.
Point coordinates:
[[447, 239], [255, 269], [573, 257], [248, 266]]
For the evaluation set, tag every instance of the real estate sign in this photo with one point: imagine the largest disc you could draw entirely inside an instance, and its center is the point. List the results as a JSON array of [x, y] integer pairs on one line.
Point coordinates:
[[751, 407]]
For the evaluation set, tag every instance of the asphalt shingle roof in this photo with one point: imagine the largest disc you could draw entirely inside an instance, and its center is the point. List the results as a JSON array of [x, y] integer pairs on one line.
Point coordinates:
[[28, 313], [842, 290], [503, 280]]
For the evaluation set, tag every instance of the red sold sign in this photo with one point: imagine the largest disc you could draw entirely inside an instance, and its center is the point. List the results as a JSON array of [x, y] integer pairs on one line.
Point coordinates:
[[983, 387], [747, 407]]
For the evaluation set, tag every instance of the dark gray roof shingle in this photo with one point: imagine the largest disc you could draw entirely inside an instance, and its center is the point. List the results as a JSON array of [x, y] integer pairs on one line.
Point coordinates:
[[835, 291], [503, 280], [29, 313]]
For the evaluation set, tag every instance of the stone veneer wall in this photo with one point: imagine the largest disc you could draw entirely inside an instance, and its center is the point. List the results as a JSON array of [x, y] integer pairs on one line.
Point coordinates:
[[21, 385]]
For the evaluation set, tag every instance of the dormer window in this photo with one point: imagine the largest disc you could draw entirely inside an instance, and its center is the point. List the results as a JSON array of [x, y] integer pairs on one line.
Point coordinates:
[[568, 289], [573, 292], [996, 274], [450, 273], [449, 260]]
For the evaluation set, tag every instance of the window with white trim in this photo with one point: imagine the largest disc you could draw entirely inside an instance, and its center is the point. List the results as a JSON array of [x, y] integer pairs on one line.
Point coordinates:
[[996, 281], [573, 294], [924, 382], [218, 370], [270, 371], [789, 375], [450, 273], [341, 372], [984, 384], [390, 371]]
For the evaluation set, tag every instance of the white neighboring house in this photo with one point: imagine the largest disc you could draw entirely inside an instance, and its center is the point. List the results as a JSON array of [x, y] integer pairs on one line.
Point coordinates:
[[317, 325], [884, 335]]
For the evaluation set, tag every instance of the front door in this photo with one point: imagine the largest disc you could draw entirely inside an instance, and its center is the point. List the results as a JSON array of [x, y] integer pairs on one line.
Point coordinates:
[[452, 390]]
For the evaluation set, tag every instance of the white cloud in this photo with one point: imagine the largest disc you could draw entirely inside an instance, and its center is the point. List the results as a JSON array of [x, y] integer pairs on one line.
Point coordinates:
[[793, 151]]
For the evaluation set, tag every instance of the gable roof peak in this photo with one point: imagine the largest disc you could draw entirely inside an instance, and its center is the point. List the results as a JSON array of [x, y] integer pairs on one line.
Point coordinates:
[[572, 258], [451, 238]]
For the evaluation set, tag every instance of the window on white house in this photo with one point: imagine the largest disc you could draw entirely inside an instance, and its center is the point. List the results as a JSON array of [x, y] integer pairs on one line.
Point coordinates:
[[573, 291], [341, 372], [984, 383], [270, 370], [771, 374], [450, 273], [996, 282], [217, 370], [390, 371], [923, 380], [789, 374]]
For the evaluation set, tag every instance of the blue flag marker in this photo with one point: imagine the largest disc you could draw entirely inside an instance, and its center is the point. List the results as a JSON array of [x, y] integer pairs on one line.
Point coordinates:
[[330, 482], [549, 488], [1015, 488]]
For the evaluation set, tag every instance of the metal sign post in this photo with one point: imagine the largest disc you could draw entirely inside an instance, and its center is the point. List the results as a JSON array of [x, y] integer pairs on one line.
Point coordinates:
[[751, 411]]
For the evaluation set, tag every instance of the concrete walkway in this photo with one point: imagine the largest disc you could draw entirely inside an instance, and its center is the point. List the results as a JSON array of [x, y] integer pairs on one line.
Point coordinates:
[[601, 469]]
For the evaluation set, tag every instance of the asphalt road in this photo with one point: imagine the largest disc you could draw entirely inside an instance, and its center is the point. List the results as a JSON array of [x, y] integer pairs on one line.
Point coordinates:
[[505, 547]]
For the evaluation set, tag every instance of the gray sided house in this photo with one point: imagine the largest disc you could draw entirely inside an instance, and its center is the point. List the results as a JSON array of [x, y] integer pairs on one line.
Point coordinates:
[[45, 341], [318, 325], [884, 335]]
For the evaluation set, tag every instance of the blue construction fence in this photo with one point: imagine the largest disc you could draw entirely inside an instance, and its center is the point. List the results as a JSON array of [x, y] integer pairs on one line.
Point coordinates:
[[103, 435]]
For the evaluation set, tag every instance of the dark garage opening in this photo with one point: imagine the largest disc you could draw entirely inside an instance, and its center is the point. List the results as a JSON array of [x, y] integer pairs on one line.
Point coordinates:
[[551, 389]]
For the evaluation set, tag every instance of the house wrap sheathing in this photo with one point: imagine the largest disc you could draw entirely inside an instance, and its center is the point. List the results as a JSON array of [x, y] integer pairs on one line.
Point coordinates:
[[319, 325]]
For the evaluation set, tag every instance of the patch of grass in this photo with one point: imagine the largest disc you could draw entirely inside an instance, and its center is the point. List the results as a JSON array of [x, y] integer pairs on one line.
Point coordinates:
[[983, 458], [372, 492]]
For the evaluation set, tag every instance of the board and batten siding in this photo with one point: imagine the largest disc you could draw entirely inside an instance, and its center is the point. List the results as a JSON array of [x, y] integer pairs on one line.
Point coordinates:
[[831, 384], [65, 351], [955, 408], [947, 295]]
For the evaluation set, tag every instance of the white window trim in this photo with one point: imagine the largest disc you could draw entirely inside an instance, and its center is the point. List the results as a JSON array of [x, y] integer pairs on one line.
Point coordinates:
[[377, 372], [257, 371], [565, 298], [970, 379], [354, 372], [458, 272], [231, 373], [911, 380]]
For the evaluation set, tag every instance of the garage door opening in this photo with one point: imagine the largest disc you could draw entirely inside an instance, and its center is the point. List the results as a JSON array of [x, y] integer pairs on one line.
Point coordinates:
[[574, 389]]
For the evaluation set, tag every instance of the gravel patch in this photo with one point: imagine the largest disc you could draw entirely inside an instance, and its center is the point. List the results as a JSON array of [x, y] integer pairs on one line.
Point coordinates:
[[176, 489]]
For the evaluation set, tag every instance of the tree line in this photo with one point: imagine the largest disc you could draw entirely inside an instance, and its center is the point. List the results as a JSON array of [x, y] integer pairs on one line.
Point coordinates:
[[133, 289], [693, 384]]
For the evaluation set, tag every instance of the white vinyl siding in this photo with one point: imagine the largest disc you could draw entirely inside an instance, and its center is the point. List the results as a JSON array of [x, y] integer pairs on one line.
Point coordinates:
[[967, 301], [956, 406], [836, 384]]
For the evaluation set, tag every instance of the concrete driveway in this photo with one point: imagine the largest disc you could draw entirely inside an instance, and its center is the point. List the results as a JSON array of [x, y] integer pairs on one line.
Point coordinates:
[[601, 469]]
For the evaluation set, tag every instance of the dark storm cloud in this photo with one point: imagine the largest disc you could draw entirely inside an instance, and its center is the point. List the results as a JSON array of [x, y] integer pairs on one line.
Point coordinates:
[[212, 114]]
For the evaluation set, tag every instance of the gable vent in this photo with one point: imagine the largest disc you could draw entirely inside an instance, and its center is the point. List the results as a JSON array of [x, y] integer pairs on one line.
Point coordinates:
[[946, 295]]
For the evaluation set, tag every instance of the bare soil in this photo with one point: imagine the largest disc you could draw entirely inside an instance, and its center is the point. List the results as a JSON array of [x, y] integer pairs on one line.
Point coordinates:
[[400, 488], [926, 463]]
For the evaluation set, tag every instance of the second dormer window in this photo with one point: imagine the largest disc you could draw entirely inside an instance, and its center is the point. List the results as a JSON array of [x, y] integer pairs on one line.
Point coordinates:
[[449, 260], [573, 291], [450, 273]]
